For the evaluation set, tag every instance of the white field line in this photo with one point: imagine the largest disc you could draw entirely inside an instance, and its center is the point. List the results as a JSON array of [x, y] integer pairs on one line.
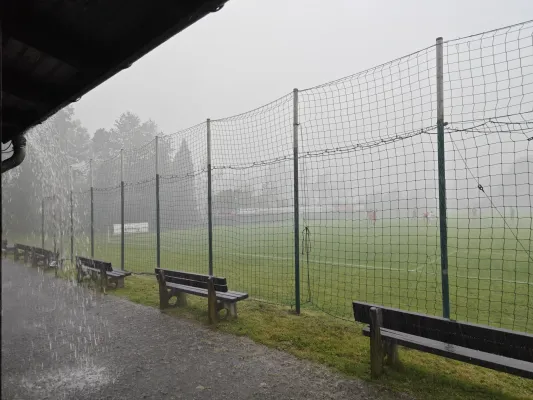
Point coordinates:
[[434, 261], [373, 267], [479, 278], [320, 262]]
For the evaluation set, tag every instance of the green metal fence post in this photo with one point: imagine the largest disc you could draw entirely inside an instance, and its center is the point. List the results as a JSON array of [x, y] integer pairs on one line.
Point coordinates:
[[209, 200], [157, 209], [42, 223], [122, 209], [71, 228], [71, 218], [92, 207], [442, 182], [296, 205]]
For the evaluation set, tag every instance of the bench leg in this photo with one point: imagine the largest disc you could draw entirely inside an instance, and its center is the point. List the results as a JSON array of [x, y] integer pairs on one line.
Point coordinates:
[[119, 283], [212, 301], [232, 310], [15, 255], [163, 298], [376, 344], [391, 350], [181, 299], [103, 281]]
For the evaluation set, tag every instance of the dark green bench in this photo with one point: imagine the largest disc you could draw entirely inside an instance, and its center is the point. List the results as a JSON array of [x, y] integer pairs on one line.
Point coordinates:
[[494, 348], [101, 271], [178, 284], [23, 249], [6, 249], [44, 258]]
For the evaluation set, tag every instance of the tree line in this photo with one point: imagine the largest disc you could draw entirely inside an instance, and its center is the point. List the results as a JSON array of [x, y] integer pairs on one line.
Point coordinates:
[[57, 161]]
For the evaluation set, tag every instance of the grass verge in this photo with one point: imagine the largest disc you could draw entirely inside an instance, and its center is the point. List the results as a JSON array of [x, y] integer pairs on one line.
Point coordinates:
[[339, 344]]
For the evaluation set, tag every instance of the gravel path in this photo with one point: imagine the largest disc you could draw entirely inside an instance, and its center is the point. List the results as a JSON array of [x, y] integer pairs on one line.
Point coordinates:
[[60, 341]]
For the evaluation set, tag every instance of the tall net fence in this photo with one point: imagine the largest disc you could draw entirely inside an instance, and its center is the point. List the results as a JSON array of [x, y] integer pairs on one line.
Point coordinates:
[[369, 173], [182, 161], [488, 91], [253, 201], [81, 234], [368, 185]]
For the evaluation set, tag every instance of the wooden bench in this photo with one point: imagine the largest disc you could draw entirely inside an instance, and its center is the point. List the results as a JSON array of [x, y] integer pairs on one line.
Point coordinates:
[[44, 258], [495, 348], [178, 284], [24, 249], [99, 270], [6, 249]]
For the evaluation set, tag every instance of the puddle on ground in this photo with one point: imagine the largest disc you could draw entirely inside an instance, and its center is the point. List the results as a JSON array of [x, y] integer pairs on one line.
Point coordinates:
[[76, 378]]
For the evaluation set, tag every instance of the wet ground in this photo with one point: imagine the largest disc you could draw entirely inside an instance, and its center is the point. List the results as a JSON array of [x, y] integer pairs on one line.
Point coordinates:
[[60, 341]]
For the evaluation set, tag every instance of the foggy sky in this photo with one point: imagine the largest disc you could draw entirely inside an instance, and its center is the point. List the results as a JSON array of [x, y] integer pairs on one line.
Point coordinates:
[[252, 52]]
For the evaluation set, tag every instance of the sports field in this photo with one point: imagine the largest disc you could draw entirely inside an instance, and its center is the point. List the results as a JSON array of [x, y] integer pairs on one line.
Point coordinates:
[[394, 262]]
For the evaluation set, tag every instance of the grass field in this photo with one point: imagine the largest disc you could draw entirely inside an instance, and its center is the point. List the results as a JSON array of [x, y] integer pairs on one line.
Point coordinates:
[[395, 263]]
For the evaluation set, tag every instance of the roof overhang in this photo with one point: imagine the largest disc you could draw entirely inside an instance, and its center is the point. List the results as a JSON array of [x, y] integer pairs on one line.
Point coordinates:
[[53, 52]]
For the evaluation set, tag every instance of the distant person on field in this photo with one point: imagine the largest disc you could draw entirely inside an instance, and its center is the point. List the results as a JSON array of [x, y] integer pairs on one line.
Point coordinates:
[[372, 216], [427, 216]]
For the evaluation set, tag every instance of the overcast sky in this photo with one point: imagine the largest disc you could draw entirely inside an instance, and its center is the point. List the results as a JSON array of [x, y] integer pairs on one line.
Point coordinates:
[[251, 52]]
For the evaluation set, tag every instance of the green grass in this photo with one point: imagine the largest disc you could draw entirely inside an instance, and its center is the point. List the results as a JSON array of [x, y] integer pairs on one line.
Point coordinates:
[[395, 263]]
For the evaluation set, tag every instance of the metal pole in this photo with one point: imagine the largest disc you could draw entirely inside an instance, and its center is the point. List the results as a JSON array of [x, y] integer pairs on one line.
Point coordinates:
[[122, 209], [92, 207], [42, 223], [71, 229], [209, 199], [442, 182], [157, 209], [60, 228], [296, 205], [71, 218]]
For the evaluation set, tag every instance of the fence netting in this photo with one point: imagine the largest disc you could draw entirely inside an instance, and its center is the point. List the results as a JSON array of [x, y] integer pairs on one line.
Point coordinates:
[[368, 189], [81, 202], [183, 200], [369, 175], [488, 91], [253, 201]]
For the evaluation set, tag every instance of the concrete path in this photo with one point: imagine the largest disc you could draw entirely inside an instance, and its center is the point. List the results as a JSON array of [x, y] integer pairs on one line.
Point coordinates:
[[60, 341]]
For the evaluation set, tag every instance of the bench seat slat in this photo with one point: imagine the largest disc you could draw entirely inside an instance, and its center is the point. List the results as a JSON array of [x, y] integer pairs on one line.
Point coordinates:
[[120, 273], [488, 360], [227, 296]]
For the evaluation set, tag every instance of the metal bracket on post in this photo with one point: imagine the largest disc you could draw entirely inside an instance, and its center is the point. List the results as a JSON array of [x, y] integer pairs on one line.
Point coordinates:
[[296, 205], [442, 182], [157, 205], [122, 209]]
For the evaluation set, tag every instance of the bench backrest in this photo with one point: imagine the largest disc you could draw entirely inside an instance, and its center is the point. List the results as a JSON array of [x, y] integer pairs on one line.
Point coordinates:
[[44, 252], [98, 264], [191, 279], [498, 341], [23, 247]]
